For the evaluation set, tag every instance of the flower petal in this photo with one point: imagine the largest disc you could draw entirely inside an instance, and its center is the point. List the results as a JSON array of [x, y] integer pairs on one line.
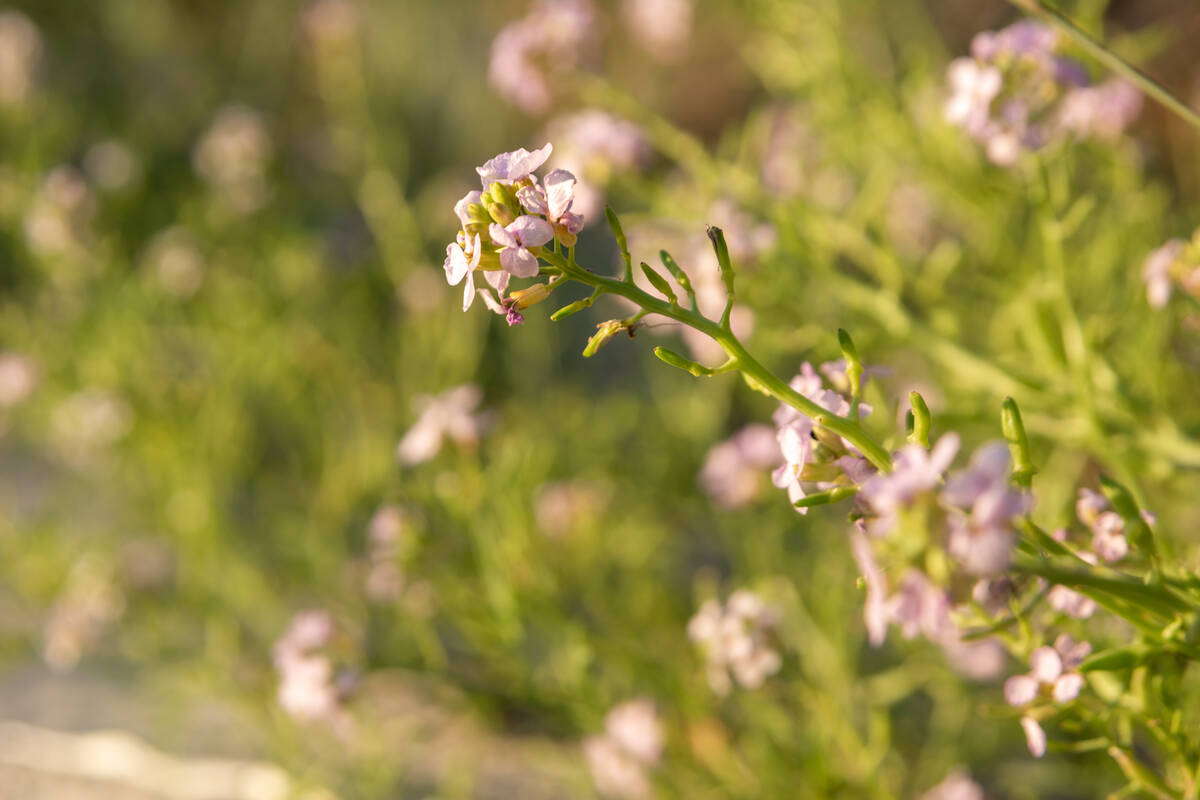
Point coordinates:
[[530, 231], [519, 262]]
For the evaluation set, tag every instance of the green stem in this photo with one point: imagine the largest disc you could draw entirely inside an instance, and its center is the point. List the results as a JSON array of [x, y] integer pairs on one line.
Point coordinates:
[[848, 429], [1098, 50]]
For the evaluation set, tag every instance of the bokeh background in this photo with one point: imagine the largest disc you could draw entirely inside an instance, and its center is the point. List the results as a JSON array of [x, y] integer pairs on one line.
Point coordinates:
[[222, 307]]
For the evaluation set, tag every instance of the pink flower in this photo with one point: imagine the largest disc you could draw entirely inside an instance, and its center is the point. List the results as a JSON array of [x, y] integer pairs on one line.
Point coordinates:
[[915, 471], [1103, 111], [508, 168], [983, 540], [733, 469], [516, 238], [735, 639], [528, 55], [875, 609], [554, 200], [1157, 271], [973, 87], [448, 415], [631, 742], [1052, 667], [1108, 536], [462, 259]]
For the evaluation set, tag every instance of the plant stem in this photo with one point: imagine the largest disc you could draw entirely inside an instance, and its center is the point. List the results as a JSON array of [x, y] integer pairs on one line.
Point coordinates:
[[848, 429]]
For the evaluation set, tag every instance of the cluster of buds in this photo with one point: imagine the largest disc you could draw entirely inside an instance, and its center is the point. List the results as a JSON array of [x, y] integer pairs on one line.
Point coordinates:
[[1015, 93], [736, 640], [1176, 264], [505, 226]]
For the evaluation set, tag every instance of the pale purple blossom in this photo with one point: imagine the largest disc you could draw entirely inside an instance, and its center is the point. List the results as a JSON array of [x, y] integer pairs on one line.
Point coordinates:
[[554, 199], [1053, 668], [531, 54], [973, 87], [462, 259], [983, 540], [632, 741], [1089, 505], [508, 168], [1108, 536], [735, 639], [516, 238], [308, 688], [1103, 111], [450, 415], [875, 609], [18, 378], [733, 469], [915, 471]]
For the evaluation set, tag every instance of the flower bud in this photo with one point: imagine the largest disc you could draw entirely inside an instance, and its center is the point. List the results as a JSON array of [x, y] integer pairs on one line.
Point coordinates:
[[567, 238], [524, 298], [605, 331], [501, 213], [477, 213]]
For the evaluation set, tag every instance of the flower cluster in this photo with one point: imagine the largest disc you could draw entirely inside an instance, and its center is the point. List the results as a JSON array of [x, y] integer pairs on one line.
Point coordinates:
[[505, 226], [631, 742], [1176, 264], [1051, 676], [1015, 93], [814, 459], [736, 640]]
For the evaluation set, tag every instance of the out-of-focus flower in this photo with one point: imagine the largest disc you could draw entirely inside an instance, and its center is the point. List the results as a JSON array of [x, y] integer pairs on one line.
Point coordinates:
[[661, 27], [18, 378], [233, 155], [20, 50], [89, 602], [111, 165], [530, 55], [733, 469], [58, 223], [1052, 668], [308, 688], [632, 741], [1103, 111], [448, 415], [983, 540], [956, 786], [1158, 271], [174, 260], [915, 471], [1108, 536], [594, 145], [735, 638], [1015, 94]]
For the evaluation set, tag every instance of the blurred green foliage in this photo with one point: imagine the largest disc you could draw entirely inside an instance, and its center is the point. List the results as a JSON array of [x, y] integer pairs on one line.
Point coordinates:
[[214, 446]]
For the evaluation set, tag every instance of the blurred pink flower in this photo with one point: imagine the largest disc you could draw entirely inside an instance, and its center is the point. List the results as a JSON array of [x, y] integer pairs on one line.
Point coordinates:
[[661, 27], [733, 469], [449, 415]]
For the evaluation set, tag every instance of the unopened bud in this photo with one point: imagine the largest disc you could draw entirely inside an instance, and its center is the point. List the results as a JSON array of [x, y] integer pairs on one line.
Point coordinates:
[[567, 238], [501, 213], [605, 331], [524, 298]]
